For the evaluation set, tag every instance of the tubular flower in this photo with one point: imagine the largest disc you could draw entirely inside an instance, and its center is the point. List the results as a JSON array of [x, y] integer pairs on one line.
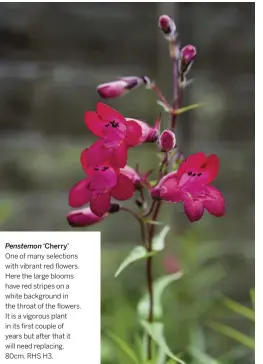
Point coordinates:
[[149, 134], [85, 217], [190, 184], [102, 183], [115, 133], [121, 86]]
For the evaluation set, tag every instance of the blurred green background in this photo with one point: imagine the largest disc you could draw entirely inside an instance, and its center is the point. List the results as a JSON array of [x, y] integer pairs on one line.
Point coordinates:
[[52, 57]]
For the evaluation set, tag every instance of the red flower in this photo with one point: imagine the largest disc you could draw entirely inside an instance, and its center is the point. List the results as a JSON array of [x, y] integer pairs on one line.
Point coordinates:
[[191, 184], [103, 182], [115, 134], [149, 134], [121, 86], [85, 217]]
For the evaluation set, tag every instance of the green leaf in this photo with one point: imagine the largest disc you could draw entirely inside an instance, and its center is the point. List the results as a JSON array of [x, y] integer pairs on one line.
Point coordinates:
[[252, 296], [201, 357], [6, 208], [240, 309], [153, 183], [155, 331], [187, 108], [158, 288], [163, 106], [159, 239], [124, 347], [161, 359], [138, 253], [233, 334]]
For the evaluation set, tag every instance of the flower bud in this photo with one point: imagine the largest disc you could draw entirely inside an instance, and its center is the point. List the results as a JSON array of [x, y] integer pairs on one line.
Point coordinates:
[[167, 141], [167, 26], [83, 217], [121, 86], [187, 57], [149, 134]]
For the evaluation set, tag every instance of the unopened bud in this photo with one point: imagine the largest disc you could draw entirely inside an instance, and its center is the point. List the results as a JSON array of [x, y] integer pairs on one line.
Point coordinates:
[[187, 57], [167, 141], [121, 86], [114, 207], [83, 217], [167, 26]]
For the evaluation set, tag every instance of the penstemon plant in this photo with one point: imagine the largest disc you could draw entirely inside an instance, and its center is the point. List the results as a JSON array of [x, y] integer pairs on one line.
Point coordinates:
[[108, 178]]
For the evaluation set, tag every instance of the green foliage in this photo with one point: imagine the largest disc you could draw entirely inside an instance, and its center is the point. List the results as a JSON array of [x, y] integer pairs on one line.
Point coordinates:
[[159, 239], [239, 309], [233, 334], [124, 347], [155, 330], [6, 209], [137, 253], [158, 289]]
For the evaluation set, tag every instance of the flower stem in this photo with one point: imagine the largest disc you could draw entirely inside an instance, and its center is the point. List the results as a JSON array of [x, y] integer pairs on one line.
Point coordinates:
[[160, 95]]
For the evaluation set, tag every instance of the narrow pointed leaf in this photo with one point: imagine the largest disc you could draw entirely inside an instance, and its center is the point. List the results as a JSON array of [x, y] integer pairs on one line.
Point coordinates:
[[187, 108], [155, 330], [159, 239], [138, 253], [233, 334], [202, 358], [124, 347], [240, 309], [158, 289]]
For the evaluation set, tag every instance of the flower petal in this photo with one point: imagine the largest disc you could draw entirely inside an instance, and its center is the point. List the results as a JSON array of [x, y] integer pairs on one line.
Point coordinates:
[[211, 167], [100, 203], [95, 124], [80, 194], [193, 208], [95, 155], [103, 179], [170, 190], [133, 133], [118, 156], [214, 201], [109, 114], [191, 163], [124, 189]]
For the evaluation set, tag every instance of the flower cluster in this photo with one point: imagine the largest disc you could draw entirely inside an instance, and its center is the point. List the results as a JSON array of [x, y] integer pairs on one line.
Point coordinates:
[[109, 178]]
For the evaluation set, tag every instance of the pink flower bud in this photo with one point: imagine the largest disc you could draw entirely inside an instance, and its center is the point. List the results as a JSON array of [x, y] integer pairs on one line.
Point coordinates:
[[187, 57], [149, 134], [167, 26], [83, 217], [167, 141], [121, 86]]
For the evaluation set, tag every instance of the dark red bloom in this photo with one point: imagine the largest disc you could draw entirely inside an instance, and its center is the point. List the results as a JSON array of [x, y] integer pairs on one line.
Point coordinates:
[[191, 184], [115, 133], [102, 183]]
